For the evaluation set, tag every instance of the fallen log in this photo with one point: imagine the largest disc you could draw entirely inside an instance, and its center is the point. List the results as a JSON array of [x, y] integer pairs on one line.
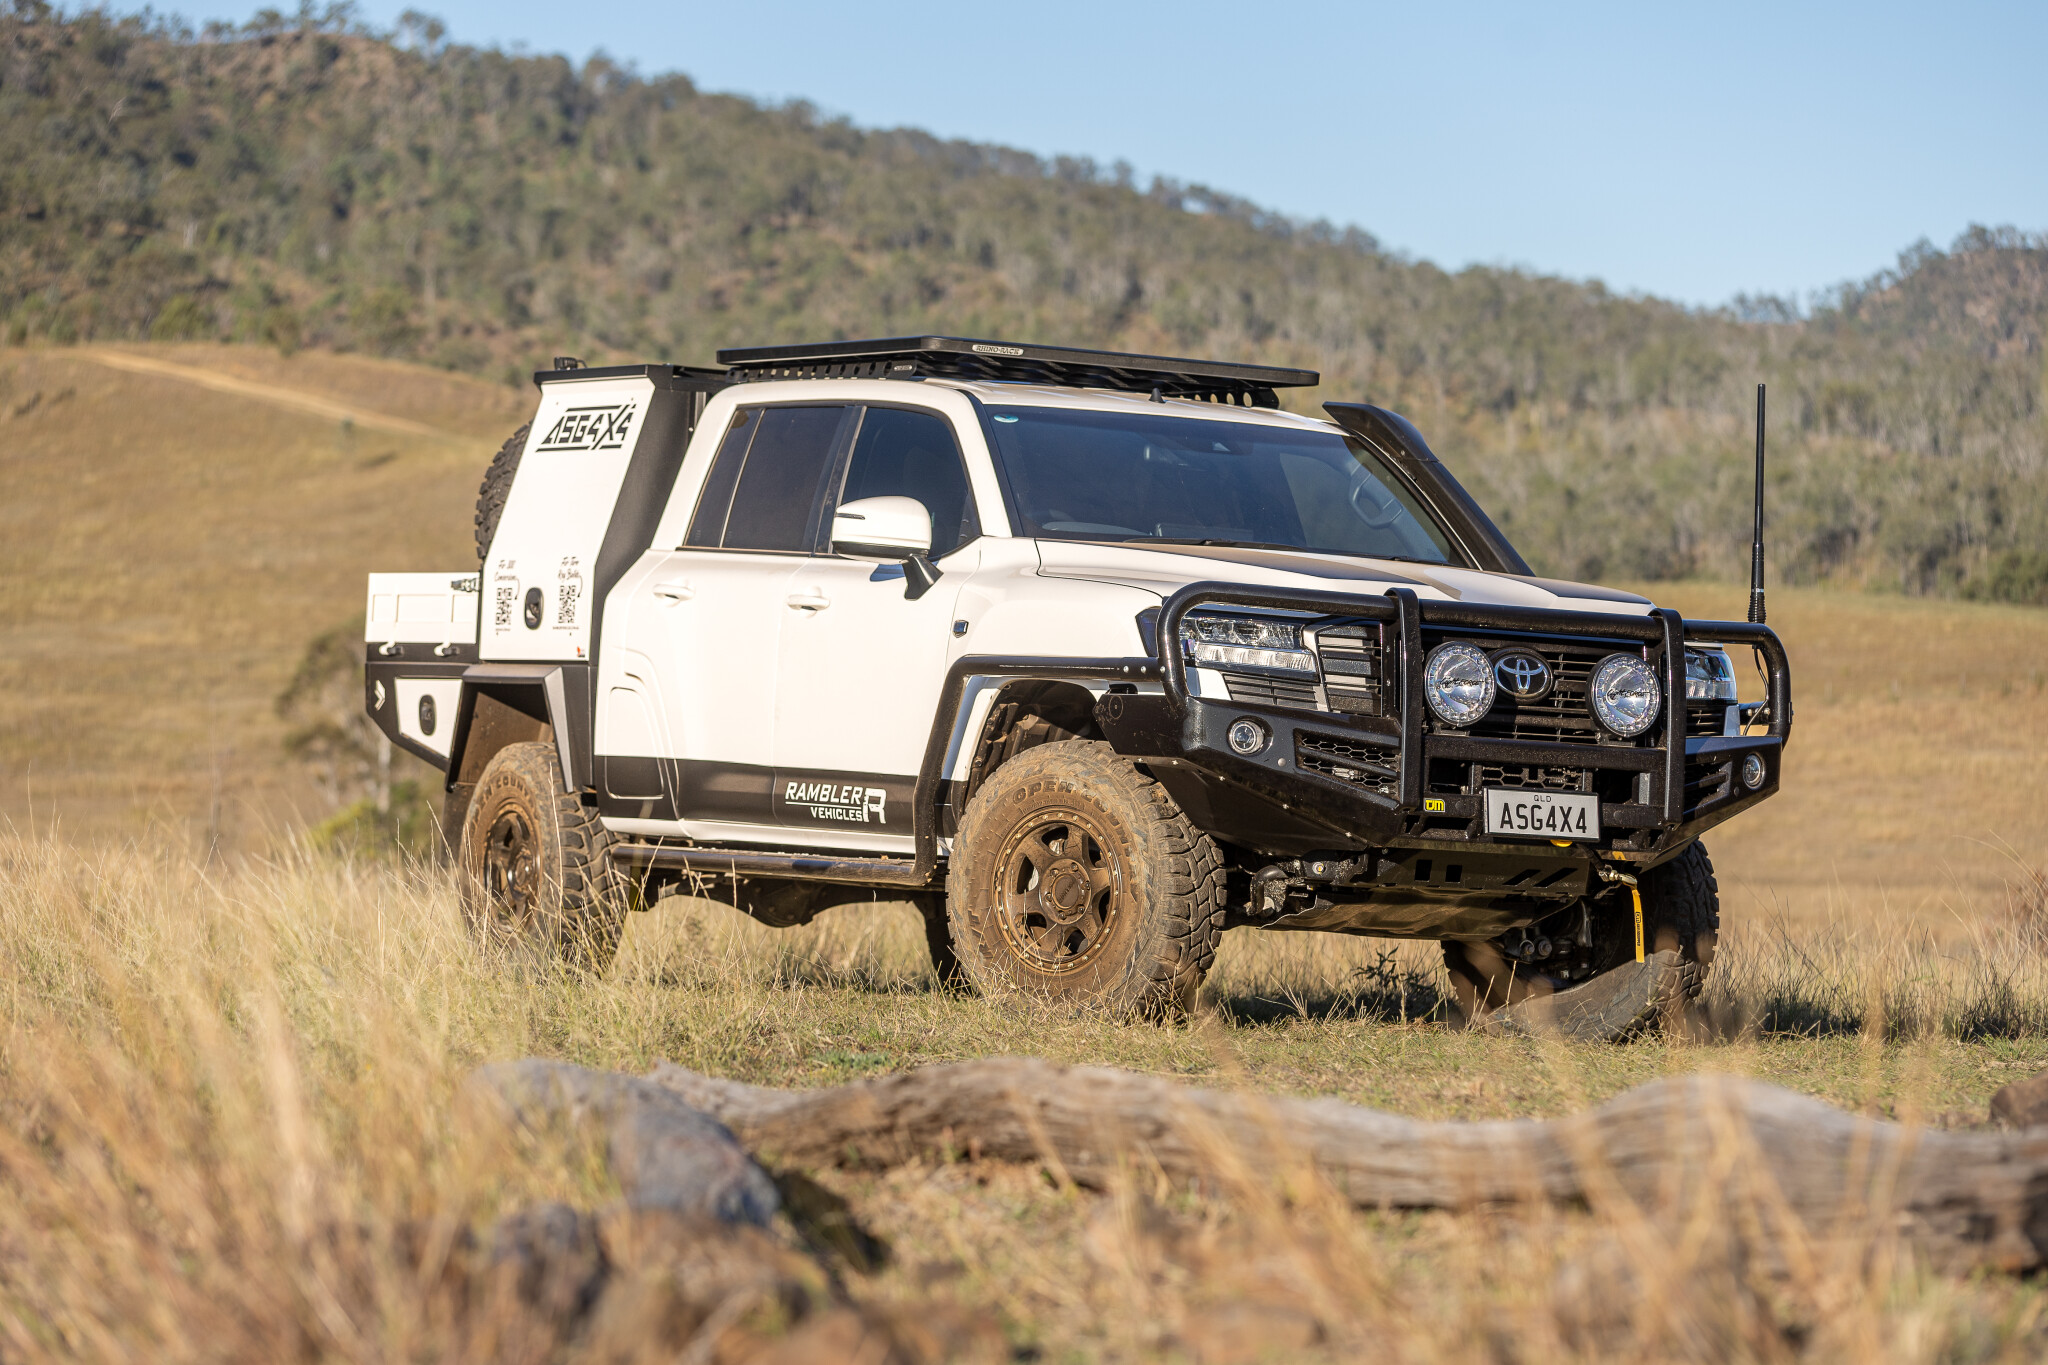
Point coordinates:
[[1793, 1169]]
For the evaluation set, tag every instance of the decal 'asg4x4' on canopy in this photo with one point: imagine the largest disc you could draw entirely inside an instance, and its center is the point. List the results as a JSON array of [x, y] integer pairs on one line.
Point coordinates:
[[1090, 656]]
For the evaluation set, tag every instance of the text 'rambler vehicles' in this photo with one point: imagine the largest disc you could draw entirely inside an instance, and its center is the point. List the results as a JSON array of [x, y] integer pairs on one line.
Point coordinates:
[[1091, 656]]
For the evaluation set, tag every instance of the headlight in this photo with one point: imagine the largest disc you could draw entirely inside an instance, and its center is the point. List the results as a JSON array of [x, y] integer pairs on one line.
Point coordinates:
[[1458, 682], [1243, 642], [1625, 694], [1709, 674]]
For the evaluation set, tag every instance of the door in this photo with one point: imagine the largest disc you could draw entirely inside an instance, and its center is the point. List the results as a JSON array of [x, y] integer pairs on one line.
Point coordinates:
[[706, 617], [862, 666]]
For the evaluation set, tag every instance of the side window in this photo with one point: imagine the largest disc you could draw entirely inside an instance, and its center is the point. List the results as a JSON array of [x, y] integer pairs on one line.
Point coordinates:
[[762, 492], [707, 523], [914, 455]]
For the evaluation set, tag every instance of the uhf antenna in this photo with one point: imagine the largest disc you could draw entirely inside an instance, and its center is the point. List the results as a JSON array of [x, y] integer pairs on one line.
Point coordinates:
[[1756, 541]]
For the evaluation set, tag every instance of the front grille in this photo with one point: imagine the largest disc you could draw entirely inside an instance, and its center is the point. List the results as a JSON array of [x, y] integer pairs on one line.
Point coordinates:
[[1263, 690], [1560, 716], [1706, 718], [1357, 678], [1349, 758], [1353, 674]]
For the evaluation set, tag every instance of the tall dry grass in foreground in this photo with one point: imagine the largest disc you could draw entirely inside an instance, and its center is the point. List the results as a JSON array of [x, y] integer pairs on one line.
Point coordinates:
[[230, 1129]]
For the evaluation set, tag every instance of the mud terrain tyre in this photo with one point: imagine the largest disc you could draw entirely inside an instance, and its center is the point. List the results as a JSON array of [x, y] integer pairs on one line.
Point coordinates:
[[1075, 878], [1681, 914], [497, 486], [534, 865]]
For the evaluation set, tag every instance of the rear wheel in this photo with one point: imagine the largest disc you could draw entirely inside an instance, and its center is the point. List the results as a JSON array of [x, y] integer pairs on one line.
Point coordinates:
[[1075, 877], [534, 864]]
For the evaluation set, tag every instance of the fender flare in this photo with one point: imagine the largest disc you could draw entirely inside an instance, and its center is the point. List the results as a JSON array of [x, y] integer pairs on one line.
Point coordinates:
[[518, 703]]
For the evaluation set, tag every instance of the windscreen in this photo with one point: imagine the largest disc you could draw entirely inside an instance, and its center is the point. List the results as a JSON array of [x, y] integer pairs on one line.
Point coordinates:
[[1113, 476]]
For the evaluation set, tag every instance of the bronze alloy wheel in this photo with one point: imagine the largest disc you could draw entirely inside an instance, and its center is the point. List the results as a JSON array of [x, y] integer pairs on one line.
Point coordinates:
[[1074, 877], [534, 864], [1060, 886], [512, 868]]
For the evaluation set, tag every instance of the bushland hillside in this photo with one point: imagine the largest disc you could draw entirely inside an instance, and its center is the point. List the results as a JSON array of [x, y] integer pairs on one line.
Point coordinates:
[[309, 184]]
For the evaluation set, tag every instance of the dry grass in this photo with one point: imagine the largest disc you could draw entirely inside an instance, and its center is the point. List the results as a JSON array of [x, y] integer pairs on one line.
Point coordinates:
[[230, 1120]]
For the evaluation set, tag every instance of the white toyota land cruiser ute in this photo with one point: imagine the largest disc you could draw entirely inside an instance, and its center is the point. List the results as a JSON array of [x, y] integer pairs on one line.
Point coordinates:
[[1090, 656]]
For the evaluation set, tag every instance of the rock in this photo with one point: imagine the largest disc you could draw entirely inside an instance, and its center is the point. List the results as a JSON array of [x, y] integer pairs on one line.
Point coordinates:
[[2023, 1104], [665, 1154], [1613, 1006]]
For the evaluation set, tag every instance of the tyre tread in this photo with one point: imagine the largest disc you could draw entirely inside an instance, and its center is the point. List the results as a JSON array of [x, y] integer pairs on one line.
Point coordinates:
[[592, 894], [496, 487], [1186, 874]]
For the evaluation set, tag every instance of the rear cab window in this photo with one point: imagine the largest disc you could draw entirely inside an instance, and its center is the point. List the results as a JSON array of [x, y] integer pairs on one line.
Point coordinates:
[[768, 479]]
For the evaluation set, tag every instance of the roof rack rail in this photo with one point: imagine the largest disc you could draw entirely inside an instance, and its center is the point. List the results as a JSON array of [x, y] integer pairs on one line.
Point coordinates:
[[967, 358]]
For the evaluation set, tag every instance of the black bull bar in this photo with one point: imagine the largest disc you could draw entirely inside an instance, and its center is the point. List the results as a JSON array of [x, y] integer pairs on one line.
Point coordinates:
[[1664, 630]]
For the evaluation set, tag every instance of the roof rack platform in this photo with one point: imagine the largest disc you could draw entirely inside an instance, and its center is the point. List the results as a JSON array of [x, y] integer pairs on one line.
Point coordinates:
[[1065, 366]]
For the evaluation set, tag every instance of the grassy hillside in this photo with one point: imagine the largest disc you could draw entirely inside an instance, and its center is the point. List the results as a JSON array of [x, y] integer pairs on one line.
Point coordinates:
[[168, 551], [308, 184]]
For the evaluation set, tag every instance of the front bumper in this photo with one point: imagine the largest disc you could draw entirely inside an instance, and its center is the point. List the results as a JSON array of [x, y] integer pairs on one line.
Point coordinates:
[[1329, 779]]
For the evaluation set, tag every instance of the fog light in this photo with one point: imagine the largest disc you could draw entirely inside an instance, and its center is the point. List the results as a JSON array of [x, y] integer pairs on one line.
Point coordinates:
[[1247, 736], [1625, 694], [1752, 771]]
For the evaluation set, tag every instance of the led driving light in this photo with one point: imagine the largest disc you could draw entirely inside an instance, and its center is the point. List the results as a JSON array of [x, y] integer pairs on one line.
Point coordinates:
[[1458, 683], [1242, 642], [1625, 694], [1247, 736], [1752, 771], [1709, 674]]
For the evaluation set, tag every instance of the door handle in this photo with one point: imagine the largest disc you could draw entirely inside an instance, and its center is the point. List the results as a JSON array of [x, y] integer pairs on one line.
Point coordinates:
[[674, 592], [809, 601]]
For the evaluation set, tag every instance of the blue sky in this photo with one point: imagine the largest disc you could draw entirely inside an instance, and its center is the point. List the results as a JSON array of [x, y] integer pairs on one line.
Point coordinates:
[[1688, 151]]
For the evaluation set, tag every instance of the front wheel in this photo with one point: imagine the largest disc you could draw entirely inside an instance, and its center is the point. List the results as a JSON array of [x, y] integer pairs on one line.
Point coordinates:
[[1681, 914], [534, 864], [1075, 877]]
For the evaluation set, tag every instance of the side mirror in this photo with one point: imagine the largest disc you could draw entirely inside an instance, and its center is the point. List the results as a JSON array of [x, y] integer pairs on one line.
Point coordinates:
[[893, 528]]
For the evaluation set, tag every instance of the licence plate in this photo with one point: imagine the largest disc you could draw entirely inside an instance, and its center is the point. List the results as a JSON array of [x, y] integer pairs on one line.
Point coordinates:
[[1541, 814]]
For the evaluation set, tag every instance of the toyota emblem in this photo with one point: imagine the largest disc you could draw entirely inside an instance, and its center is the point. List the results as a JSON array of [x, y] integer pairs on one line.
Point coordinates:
[[1522, 675]]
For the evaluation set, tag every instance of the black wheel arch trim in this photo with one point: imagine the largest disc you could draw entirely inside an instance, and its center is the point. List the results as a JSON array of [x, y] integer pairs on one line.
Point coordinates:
[[559, 695]]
